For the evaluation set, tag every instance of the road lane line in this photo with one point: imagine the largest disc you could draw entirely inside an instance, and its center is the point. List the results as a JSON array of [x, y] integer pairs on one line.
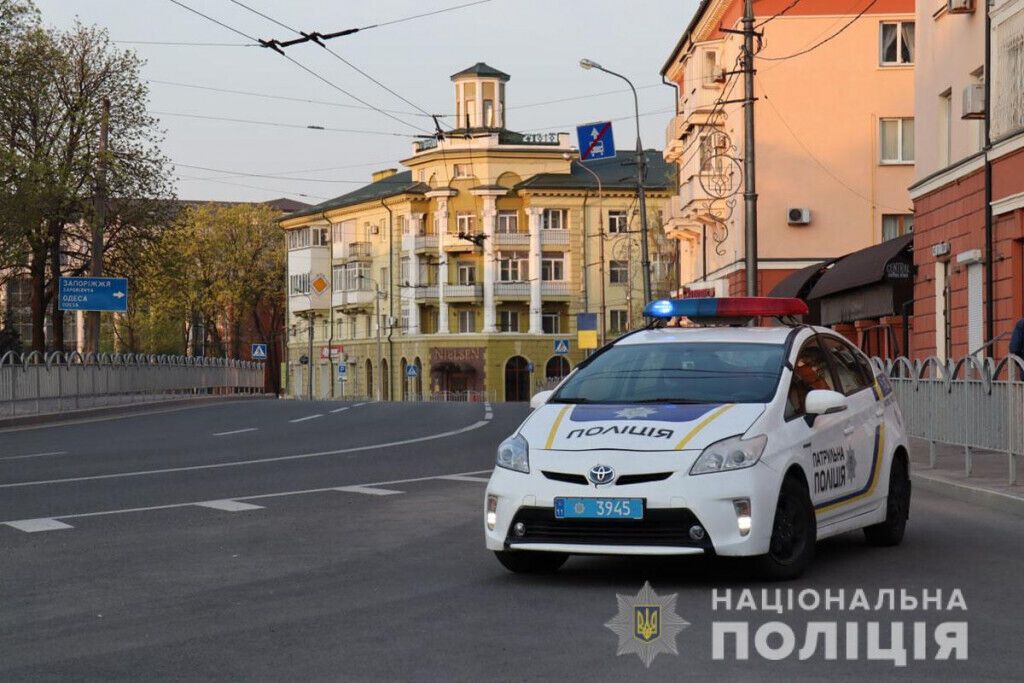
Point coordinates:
[[43, 524], [356, 405], [33, 455], [237, 431], [488, 415], [368, 490], [339, 410], [308, 417], [256, 461], [229, 505], [464, 477], [279, 494]]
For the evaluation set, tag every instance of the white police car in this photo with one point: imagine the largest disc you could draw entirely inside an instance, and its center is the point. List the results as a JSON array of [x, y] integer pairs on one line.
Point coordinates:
[[723, 439]]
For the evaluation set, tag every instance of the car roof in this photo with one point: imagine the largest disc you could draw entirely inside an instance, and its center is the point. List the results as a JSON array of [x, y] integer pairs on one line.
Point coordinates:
[[748, 335]]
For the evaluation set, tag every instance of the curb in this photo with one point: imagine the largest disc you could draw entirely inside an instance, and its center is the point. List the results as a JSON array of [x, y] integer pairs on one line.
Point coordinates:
[[996, 500], [70, 415]]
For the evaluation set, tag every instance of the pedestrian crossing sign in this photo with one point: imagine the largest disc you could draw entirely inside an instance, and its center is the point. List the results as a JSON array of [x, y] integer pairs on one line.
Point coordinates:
[[561, 347], [259, 352]]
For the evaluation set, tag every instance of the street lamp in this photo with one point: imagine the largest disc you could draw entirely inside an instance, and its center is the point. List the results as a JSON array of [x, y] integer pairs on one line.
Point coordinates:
[[600, 199], [641, 174], [380, 349]]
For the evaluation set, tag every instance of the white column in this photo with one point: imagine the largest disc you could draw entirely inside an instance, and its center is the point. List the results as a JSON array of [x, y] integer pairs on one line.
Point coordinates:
[[416, 228], [490, 214], [441, 217], [535, 300]]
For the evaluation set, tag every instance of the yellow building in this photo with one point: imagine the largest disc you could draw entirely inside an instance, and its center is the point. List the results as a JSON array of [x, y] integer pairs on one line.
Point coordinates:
[[471, 265]]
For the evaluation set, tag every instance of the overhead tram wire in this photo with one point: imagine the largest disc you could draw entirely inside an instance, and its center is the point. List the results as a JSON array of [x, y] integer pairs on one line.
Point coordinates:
[[821, 42], [183, 44], [287, 175], [278, 124], [252, 187], [284, 177], [302, 66], [778, 14]]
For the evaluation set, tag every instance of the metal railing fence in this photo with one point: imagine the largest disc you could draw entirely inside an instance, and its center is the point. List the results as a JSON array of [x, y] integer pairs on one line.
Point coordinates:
[[975, 403], [35, 383]]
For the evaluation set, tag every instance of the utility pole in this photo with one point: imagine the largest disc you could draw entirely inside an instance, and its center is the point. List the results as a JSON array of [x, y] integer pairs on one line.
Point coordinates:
[[309, 365], [749, 181], [380, 349], [92, 318]]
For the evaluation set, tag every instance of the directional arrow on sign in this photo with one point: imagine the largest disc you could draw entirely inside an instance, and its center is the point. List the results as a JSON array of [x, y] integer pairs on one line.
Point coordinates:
[[118, 295]]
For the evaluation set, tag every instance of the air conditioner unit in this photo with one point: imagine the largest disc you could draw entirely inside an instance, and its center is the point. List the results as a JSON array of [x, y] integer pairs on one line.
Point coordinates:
[[798, 216], [960, 6], [974, 101], [718, 73]]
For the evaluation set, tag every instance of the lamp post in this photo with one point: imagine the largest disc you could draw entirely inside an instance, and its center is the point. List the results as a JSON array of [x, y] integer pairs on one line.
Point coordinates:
[[641, 174], [380, 349], [600, 234]]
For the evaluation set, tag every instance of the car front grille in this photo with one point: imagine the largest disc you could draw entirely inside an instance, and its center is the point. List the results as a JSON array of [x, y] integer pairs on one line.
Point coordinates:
[[659, 527]]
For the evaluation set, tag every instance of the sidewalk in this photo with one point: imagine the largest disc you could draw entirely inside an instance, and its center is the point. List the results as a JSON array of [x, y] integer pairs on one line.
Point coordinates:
[[988, 484]]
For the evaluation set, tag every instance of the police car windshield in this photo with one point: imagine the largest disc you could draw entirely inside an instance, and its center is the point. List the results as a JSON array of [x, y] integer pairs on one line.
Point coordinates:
[[680, 372]]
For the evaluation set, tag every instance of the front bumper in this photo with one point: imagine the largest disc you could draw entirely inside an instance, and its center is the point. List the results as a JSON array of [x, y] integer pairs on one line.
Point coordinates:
[[673, 506]]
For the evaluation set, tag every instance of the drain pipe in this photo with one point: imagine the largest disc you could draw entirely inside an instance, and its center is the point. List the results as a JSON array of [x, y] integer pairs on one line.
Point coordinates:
[[391, 296], [990, 306]]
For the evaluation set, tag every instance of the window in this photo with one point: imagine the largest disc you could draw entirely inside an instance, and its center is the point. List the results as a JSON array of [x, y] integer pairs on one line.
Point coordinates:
[[404, 271], [853, 376], [299, 284], [618, 272], [617, 222], [467, 273], [321, 237], [512, 266], [508, 222], [467, 321], [896, 224], [945, 127], [403, 225], [463, 170], [896, 42], [339, 278], [678, 372], [553, 219], [551, 323], [508, 321], [810, 372], [897, 139], [488, 113], [298, 239], [710, 66], [465, 221], [405, 317], [617, 320], [552, 267]]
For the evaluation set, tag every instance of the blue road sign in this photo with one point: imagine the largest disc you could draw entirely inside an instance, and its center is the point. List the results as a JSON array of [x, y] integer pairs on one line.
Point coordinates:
[[342, 370], [529, 367], [259, 352], [93, 294], [411, 371], [561, 347], [595, 141]]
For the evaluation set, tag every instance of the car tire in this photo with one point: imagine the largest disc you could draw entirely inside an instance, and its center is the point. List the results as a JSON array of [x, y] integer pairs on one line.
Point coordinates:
[[897, 507], [530, 562], [794, 533]]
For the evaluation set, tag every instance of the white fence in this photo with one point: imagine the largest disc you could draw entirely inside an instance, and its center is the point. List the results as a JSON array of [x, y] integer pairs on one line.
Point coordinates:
[[977, 404], [35, 383]]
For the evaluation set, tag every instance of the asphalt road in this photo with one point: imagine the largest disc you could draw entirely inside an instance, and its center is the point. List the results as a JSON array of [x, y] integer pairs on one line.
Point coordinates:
[[181, 547]]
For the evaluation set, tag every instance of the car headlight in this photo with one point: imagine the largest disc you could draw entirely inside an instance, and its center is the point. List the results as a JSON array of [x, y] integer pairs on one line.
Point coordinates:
[[733, 453], [514, 454]]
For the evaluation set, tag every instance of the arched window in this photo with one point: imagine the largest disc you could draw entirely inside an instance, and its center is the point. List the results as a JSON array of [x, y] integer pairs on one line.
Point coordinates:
[[517, 379], [556, 369], [369, 378]]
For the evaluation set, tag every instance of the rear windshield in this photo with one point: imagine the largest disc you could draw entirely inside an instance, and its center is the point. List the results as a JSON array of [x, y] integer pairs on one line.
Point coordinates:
[[681, 372]]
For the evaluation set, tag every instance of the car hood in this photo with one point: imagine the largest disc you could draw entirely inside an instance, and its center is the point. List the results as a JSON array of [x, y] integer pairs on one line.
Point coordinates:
[[644, 427]]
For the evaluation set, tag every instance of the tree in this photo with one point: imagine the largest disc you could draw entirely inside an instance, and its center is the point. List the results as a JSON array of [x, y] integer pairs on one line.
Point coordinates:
[[50, 107]]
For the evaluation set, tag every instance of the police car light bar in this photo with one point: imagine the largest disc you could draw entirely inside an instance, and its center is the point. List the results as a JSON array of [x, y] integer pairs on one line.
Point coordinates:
[[728, 307]]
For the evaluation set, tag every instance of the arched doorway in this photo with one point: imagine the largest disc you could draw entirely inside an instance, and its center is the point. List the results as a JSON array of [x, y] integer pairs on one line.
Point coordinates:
[[369, 378], [385, 381], [555, 370], [404, 380], [517, 379], [418, 384]]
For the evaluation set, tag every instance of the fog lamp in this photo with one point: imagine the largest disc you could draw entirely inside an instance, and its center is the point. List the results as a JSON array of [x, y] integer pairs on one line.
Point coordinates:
[[742, 507], [492, 512]]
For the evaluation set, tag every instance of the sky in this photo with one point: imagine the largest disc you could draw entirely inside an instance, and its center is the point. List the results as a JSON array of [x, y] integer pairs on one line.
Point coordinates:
[[538, 42]]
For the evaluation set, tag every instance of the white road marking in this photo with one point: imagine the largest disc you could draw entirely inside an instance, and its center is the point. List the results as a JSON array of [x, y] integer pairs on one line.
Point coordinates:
[[356, 405], [229, 505], [308, 417], [464, 477], [368, 490], [256, 461], [123, 416], [237, 431], [33, 455], [33, 525], [488, 415], [171, 506], [339, 410]]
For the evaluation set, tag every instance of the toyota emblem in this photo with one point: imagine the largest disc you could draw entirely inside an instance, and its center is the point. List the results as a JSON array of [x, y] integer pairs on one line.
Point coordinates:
[[601, 474]]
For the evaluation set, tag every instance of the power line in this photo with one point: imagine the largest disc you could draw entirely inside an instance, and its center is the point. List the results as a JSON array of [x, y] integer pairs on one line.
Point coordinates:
[[281, 125], [427, 14], [822, 42], [183, 44], [617, 118], [582, 97], [253, 187], [219, 23], [290, 175], [284, 177], [778, 14]]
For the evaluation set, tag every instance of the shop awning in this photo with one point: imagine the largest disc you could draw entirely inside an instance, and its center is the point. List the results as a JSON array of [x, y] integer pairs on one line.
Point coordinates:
[[799, 283], [878, 263]]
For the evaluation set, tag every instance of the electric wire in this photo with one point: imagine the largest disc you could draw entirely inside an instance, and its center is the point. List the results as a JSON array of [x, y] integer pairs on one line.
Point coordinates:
[[822, 42]]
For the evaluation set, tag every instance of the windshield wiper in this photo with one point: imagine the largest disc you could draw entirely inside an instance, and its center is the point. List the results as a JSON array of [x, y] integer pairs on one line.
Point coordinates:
[[680, 401], [576, 400]]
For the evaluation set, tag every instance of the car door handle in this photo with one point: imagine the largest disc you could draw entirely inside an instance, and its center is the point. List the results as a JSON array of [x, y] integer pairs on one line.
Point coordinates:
[[848, 431]]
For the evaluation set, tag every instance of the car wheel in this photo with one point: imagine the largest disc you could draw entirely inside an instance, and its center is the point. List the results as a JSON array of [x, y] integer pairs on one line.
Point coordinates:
[[890, 532], [530, 562], [794, 532]]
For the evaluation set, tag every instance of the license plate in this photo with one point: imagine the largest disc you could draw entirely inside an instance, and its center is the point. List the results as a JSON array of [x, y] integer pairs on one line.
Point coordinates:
[[599, 508]]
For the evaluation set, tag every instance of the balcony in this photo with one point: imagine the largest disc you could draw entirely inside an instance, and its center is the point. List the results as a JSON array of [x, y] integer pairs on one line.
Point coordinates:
[[419, 242], [353, 299], [359, 251], [463, 291], [511, 239], [452, 242], [555, 289], [554, 237], [419, 292], [507, 290], [674, 139], [697, 106]]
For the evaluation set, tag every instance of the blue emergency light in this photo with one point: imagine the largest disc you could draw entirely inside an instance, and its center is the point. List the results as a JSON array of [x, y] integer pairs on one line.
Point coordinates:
[[728, 307]]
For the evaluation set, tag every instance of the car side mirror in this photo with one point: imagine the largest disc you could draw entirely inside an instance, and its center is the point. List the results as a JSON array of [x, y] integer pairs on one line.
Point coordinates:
[[824, 402], [540, 398]]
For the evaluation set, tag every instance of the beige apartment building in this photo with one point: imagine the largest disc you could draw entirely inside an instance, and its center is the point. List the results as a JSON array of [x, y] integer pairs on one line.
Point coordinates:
[[461, 276], [834, 137]]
